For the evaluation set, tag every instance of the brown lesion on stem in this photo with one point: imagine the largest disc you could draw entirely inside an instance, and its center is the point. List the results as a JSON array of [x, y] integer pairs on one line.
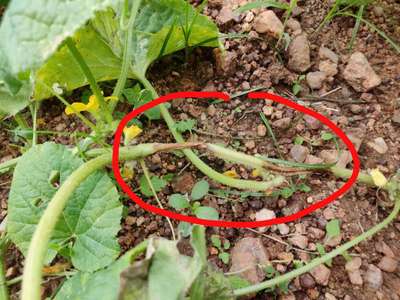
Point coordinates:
[[176, 146]]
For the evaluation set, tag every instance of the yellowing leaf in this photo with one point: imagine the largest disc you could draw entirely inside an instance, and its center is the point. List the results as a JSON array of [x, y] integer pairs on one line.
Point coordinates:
[[255, 173], [131, 132], [127, 171], [378, 178], [231, 173]]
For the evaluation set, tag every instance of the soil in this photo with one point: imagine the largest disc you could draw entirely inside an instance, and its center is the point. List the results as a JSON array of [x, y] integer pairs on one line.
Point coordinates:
[[254, 62]]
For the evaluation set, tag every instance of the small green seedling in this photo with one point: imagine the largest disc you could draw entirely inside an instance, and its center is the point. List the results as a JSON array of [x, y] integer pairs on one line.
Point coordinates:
[[271, 273], [182, 202], [222, 247], [288, 192], [296, 88], [157, 182], [185, 125]]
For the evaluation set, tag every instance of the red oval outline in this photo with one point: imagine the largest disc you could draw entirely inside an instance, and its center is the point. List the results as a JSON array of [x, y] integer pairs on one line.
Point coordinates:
[[236, 224]]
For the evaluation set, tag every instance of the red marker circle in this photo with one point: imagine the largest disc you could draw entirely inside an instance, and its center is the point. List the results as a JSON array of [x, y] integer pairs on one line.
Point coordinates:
[[236, 224]]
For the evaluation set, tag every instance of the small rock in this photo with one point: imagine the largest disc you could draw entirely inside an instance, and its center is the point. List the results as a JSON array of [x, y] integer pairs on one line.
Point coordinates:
[[316, 233], [353, 264], [312, 122], [211, 110], [293, 24], [328, 67], [356, 139], [267, 22], [355, 277], [315, 79], [225, 15], [329, 214], [289, 296], [344, 159], [226, 62], [374, 277], [268, 110], [311, 159], [307, 281], [321, 274], [298, 240], [261, 130], [263, 215], [356, 109], [326, 53], [283, 123], [378, 11], [329, 296], [383, 248], [299, 153], [329, 156], [379, 145], [396, 117], [140, 220], [333, 241], [299, 54], [359, 74], [247, 256], [250, 145], [283, 229], [388, 264]]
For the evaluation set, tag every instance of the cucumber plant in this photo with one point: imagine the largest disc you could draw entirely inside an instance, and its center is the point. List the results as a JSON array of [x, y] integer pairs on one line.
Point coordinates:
[[63, 202]]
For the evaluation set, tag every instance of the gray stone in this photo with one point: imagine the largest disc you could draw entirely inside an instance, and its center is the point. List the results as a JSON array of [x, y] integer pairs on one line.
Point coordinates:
[[374, 277], [299, 153], [267, 22], [315, 79], [299, 54]]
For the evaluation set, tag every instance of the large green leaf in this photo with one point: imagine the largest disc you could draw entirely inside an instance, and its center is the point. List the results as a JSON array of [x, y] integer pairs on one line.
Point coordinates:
[[157, 32], [31, 30], [91, 218]]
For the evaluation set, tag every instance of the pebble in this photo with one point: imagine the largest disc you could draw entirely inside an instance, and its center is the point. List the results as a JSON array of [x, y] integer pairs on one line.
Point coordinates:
[[312, 122], [311, 159], [353, 264], [225, 15], [383, 248], [396, 117], [298, 240], [211, 110], [263, 215], [283, 229], [359, 74], [267, 22], [326, 53], [356, 109], [247, 256], [374, 277], [355, 277], [321, 274], [379, 145], [378, 11], [283, 123], [299, 54], [299, 153], [329, 296], [315, 79], [329, 214], [316, 233], [388, 264], [261, 130], [329, 156], [250, 145], [307, 281], [328, 67], [268, 110], [293, 24]]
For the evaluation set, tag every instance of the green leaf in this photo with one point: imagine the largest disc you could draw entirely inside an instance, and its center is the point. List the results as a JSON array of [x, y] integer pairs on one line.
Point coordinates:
[[261, 4], [238, 282], [200, 189], [100, 44], [333, 228], [298, 140], [296, 89], [304, 188], [198, 242], [171, 274], [287, 192], [90, 220], [31, 31], [327, 136], [179, 201], [158, 184], [321, 251], [224, 256], [185, 125], [137, 97], [185, 229], [227, 244], [216, 242], [62, 71], [101, 285], [206, 212]]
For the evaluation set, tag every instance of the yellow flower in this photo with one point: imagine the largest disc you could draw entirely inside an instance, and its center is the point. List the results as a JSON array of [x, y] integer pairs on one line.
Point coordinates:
[[131, 132], [92, 106], [231, 173], [255, 173], [378, 178]]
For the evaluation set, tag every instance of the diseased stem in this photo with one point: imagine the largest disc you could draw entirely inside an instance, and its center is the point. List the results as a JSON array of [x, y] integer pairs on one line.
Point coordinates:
[[32, 276], [320, 260], [126, 55], [204, 168], [90, 78], [148, 179]]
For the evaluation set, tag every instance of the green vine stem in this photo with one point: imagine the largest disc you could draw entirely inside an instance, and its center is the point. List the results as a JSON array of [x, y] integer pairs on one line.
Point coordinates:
[[204, 168], [126, 55], [320, 260], [3, 283], [89, 76], [32, 275]]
